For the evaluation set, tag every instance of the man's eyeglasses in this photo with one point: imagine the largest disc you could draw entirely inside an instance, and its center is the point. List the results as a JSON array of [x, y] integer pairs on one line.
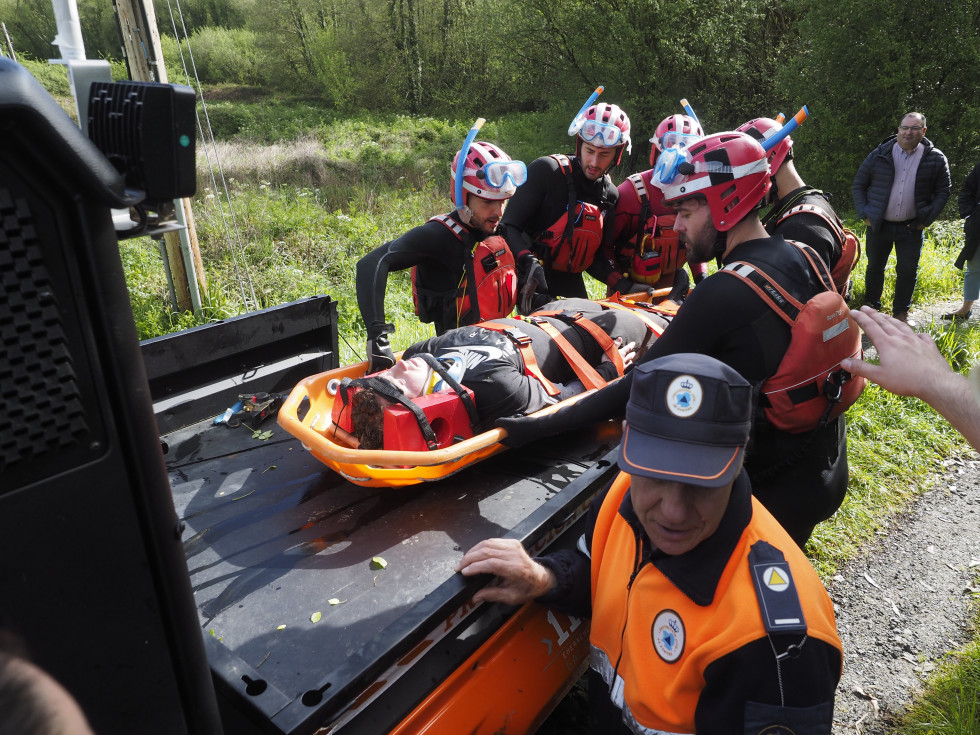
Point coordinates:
[[913, 128]]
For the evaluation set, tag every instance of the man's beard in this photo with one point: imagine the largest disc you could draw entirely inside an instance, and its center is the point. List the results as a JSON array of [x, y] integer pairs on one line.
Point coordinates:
[[703, 247]]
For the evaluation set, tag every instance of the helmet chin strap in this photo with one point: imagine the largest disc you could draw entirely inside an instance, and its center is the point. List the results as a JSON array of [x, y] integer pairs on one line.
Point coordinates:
[[721, 242], [465, 213]]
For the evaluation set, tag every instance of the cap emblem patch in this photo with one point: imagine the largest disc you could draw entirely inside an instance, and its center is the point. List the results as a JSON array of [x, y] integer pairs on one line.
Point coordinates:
[[684, 396]]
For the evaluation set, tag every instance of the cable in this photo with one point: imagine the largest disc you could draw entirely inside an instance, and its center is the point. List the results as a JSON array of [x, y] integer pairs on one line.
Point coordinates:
[[249, 301]]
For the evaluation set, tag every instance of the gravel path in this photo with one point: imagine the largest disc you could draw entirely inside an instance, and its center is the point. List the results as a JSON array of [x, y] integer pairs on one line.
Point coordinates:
[[904, 602]]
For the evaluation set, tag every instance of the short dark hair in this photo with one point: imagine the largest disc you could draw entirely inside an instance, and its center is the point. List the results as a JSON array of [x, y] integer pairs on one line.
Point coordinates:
[[367, 418], [919, 115]]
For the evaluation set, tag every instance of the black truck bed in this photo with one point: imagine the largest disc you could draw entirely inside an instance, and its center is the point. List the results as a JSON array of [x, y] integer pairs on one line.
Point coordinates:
[[272, 536]]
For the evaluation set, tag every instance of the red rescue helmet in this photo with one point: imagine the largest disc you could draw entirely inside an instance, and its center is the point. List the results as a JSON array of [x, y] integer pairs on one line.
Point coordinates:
[[730, 170], [763, 128], [489, 172], [674, 130], [605, 126]]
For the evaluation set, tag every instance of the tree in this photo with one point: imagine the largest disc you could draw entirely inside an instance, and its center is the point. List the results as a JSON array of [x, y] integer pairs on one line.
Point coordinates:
[[864, 63]]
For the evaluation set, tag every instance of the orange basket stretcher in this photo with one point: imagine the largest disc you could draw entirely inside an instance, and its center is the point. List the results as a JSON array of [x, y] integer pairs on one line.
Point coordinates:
[[308, 413]]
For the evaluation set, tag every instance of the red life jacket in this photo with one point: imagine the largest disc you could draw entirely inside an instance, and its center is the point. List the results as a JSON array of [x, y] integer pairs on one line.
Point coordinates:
[[850, 246], [570, 244], [656, 248], [489, 280], [809, 387]]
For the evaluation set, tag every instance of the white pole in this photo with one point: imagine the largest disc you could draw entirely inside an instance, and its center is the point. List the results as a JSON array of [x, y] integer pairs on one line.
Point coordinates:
[[69, 39]]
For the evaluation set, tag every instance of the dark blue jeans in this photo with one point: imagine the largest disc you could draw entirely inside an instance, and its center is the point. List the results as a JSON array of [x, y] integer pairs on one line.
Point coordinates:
[[908, 248]]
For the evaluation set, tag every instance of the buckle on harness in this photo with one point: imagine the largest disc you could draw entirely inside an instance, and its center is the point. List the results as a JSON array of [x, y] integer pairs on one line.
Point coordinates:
[[515, 335]]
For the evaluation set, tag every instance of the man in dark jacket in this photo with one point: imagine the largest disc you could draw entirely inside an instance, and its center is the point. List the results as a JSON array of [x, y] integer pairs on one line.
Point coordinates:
[[968, 204], [899, 190]]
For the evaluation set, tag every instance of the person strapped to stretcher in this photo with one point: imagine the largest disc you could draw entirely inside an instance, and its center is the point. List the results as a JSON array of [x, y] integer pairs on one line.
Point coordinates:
[[455, 385]]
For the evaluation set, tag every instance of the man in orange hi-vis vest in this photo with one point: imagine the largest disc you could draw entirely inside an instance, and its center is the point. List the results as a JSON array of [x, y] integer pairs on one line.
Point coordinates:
[[706, 616]]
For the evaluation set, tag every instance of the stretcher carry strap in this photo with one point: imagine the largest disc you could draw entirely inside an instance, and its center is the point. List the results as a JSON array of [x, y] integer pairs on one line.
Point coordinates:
[[523, 344], [605, 342], [385, 389], [585, 372], [651, 325], [460, 391]]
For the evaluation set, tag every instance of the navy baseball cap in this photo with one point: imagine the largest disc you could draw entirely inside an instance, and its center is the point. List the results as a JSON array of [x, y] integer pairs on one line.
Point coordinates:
[[687, 420]]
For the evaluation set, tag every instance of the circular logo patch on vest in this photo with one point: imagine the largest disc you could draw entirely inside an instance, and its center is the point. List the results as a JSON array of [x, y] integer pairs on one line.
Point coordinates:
[[684, 396], [668, 635], [776, 730], [776, 579]]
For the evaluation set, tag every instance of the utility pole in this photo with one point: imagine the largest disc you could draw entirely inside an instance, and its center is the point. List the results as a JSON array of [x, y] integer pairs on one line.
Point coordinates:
[[144, 55], [6, 42]]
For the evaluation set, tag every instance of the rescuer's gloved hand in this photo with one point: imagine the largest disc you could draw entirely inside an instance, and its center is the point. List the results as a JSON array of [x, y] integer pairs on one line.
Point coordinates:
[[682, 284], [530, 281], [622, 285], [379, 354]]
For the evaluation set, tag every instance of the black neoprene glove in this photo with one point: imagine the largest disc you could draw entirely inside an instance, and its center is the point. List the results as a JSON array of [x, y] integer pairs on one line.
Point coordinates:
[[623, 286], [531, 280], [682, 284], [379, 354]]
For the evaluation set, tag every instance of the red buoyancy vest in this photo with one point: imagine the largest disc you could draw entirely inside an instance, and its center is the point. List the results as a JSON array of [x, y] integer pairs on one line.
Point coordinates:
[[850, 246], [570, 244], [809, 387], [656, 248], [652, 644], [489, 278]]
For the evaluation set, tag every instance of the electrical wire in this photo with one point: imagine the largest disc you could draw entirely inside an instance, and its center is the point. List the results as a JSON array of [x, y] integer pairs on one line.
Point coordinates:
[[249, 300]]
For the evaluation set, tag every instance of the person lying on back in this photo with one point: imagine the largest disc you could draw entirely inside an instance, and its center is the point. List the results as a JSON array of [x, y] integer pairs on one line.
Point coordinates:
[[511, 366]]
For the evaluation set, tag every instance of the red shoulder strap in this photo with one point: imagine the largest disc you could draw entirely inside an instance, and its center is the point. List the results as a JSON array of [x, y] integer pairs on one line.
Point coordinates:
[[768, 290], [455, 227], [641, 189]]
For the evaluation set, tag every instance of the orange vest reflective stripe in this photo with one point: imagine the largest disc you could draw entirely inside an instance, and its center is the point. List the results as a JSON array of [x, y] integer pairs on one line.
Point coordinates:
[[658, 686]]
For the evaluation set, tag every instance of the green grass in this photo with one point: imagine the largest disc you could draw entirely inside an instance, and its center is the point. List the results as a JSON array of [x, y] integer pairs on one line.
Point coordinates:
[[951, 703]]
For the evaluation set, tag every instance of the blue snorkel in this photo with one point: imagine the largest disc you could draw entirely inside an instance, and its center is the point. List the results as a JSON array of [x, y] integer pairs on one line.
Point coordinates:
[[789, 127], [579, 120], [689, 111], [465, 213]]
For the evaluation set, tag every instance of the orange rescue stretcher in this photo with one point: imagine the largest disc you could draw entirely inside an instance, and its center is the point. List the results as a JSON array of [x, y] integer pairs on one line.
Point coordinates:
[[312, 412]]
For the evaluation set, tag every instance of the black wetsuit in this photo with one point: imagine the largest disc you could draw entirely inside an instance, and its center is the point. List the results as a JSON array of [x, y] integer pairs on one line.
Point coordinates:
[[541, 201], [725, 319], [494, 370], [441, 260], [810, 229]]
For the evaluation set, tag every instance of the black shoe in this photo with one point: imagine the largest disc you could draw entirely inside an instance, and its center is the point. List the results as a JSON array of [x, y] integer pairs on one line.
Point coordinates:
[[954, 316], [903, 316]]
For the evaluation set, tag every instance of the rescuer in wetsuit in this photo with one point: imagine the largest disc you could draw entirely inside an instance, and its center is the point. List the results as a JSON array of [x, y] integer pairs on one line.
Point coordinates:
[[800, 478]]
